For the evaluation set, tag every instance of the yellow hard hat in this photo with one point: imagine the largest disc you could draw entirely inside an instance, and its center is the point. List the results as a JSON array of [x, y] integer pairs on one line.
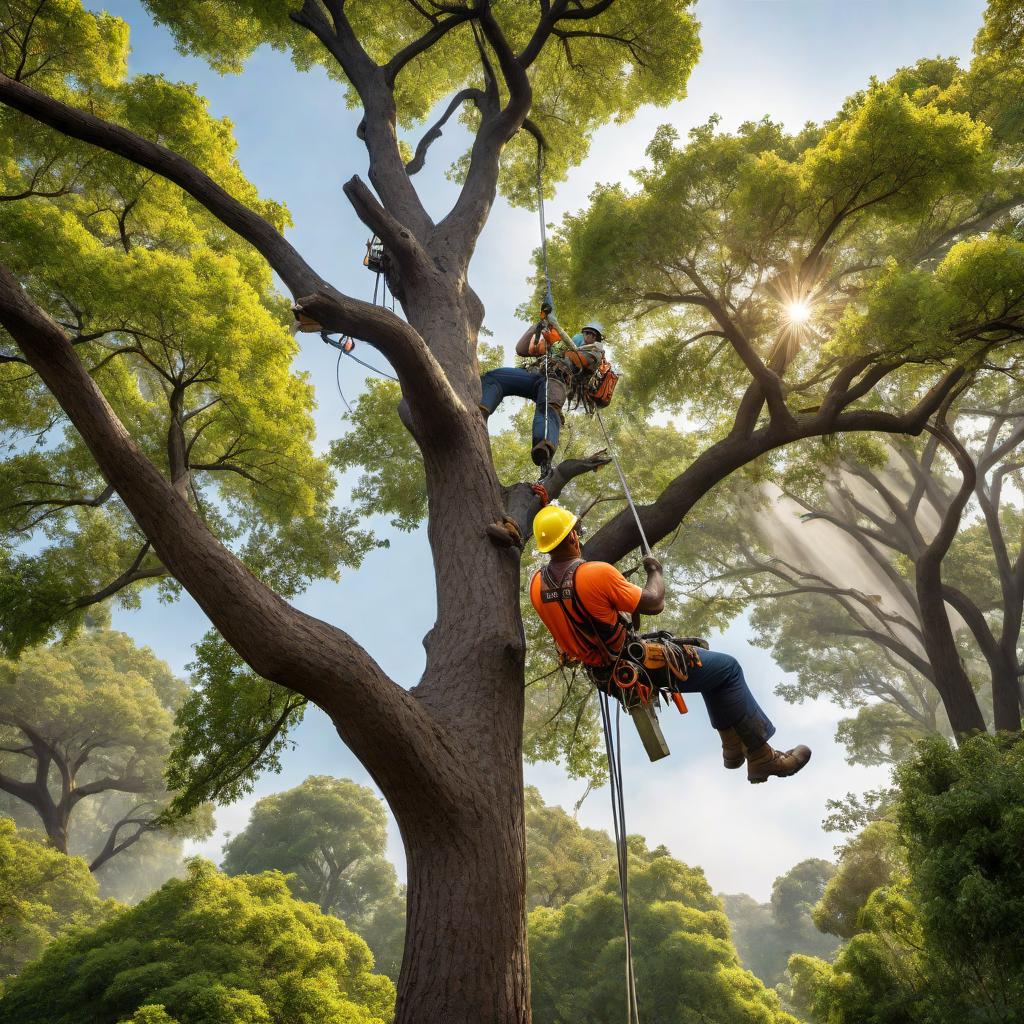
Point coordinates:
[[551, 525]]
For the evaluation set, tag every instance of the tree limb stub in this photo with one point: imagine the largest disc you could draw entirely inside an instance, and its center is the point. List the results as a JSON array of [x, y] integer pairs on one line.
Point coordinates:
[[522, 503]]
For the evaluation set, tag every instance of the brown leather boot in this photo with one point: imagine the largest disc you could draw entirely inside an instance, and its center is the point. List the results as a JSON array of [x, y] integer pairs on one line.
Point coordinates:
[[543, 452], [732, 748], [765, 761]]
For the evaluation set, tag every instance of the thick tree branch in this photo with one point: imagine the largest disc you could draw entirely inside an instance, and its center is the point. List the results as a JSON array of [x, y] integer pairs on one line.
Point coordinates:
[[279, 642], [619, 536], [522, 503], [378, 127], [123, 784], [560, 10], [419, 46], [434, 133], [462, 226]]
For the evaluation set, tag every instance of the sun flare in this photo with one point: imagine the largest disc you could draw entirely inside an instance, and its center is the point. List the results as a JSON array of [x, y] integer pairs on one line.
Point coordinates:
[[798, 312]]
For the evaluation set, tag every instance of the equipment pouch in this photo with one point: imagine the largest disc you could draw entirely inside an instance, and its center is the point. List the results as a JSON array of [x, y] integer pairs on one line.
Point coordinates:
[[604, 388]]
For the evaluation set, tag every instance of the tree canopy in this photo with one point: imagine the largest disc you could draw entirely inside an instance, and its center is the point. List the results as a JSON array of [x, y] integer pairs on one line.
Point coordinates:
[[329, 835], [207, 949], [686, 966], [42, 893], [179, 322], [929, 903]]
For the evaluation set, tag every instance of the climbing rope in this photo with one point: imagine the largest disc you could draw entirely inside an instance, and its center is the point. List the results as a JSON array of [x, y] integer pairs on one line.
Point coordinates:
[[612, 744], [613, 747], [344, 345], [380, 373], [543, 226], [337, 379], [549, 301], [625, 486]]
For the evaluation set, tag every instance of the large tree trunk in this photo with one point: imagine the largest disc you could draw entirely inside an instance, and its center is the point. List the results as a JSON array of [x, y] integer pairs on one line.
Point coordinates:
[[54, 819], [1006, 704], [466, 958], [465, 949]]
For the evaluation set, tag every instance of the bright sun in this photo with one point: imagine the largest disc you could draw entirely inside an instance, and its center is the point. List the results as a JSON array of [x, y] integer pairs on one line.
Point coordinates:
[[798, 312]]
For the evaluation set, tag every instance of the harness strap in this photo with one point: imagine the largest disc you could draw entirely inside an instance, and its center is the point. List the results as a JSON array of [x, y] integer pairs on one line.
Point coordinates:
[[587, 630]]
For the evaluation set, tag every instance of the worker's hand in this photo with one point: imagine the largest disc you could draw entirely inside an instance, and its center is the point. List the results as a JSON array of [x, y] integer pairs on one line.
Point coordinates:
[[651, 564]]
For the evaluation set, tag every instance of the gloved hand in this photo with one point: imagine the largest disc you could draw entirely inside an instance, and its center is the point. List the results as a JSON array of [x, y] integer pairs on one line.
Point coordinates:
[[651, 564]]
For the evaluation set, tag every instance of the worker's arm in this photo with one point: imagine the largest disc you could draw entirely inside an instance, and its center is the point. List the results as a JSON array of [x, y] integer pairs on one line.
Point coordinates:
[[652, 598], [566, 340], [523, 344]]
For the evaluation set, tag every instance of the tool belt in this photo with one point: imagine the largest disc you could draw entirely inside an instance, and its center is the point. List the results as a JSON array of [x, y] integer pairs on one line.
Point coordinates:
[[648, 663], [588, 377]]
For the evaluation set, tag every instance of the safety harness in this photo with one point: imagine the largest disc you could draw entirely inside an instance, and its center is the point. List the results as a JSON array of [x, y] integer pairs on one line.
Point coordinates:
[[628, 657]]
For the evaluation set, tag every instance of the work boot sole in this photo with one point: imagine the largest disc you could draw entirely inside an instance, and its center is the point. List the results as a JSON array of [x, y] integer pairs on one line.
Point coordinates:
[[734, 762], [778, 775]]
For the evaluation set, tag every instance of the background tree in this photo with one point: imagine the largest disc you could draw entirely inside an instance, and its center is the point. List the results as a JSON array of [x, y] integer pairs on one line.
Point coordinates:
[[906, 518], [207, 948], [766, 935], [890, 158], [868, 861], [929, 906], [89, 723], [688, 968], [330, 836], [42, 893], [562, 858], [843, 599]]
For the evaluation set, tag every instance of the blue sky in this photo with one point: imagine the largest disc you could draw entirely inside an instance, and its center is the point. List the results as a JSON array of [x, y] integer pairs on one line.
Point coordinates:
[[794, 60]]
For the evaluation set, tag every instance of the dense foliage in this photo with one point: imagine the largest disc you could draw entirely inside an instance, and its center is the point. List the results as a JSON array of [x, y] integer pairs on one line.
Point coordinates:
[[686, 965], [42, 892], [329, 836], [933, 906], [207, 949]]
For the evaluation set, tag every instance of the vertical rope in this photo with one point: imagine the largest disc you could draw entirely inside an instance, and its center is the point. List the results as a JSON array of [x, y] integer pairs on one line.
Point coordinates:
[[625, 486], [613, 747], [548, 298], [546, 408]]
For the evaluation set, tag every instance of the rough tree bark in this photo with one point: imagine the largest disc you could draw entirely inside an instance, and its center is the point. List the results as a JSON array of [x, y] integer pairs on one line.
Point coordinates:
[[447, 754]]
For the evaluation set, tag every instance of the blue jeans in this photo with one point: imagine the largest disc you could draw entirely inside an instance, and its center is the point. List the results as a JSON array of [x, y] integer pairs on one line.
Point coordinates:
[[720, 681], [511, 380]]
